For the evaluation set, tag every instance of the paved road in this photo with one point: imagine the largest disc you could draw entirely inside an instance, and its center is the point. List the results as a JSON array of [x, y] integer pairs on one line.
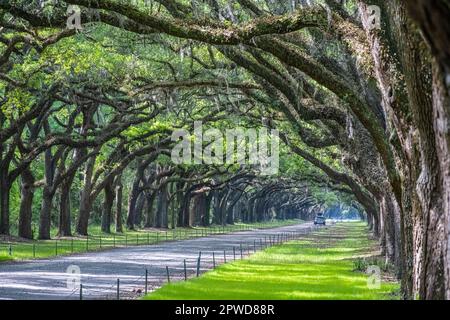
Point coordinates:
[[49, 279]]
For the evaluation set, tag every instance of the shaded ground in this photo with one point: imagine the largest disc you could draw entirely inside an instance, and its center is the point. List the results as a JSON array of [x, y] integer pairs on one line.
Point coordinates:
[[48, 279], [320, 265]]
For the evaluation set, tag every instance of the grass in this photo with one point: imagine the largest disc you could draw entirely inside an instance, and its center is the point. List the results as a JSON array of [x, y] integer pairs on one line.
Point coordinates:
[[318, 266], [4, 258], [17, 249]]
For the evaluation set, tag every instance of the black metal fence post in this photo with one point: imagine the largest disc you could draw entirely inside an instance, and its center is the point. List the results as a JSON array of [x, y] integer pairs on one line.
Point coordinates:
[[118, 289], [168, 274], [214, 260], [146, 281], [185, 271], [81, 291], [234, 253], [224, 256], [198, 263]]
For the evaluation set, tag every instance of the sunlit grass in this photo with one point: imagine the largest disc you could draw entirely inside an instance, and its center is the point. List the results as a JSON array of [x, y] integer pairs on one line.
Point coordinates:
[[318, 267], [5, 258], [97, 240]]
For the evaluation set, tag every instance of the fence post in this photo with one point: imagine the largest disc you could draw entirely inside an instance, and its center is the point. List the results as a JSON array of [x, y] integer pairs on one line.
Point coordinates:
[[81, 291], [224, 257], [137, 239], [100, 242], [240, 248], [146, 280], [56, 247], [254, 245], [71, 245], [148, 238], [185, 271], [214, 260], [118, 289], [126, 240], [87, 243], [114, 240], [198, 263], [34, 250], [234, 253], [168, 274]]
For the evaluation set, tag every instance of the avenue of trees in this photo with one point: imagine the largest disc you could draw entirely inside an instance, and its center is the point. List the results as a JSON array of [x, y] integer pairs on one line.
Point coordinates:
[[363, 113]]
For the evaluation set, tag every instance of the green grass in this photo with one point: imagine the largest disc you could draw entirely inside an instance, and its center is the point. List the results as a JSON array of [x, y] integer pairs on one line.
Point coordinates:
[[4, 258], [319, 266], [98, 240]]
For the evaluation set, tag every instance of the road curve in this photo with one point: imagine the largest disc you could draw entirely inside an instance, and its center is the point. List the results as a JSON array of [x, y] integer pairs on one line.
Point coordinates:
[[49, 279]]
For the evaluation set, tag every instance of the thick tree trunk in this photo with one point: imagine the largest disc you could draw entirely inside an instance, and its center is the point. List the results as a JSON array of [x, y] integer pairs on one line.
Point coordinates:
[[65, 224], [161, 212], [150, 213], [107, 208], [26, 205], [85, 199], [5, 188], [138, 209], [132, 200], [118, 200], [45, 215], [198, 211]]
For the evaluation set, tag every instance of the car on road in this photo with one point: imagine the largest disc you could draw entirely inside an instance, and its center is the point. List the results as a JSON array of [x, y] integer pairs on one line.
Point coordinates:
[[319, 220]]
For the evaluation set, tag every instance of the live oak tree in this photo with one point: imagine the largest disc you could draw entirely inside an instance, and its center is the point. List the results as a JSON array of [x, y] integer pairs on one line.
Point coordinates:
[[365, 109]]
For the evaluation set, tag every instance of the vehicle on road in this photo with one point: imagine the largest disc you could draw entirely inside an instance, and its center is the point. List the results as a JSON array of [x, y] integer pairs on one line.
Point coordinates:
[[319, 219]]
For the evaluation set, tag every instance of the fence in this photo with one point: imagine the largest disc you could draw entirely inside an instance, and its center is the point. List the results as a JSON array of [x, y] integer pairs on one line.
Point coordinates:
[[48, 248], [155, 276]]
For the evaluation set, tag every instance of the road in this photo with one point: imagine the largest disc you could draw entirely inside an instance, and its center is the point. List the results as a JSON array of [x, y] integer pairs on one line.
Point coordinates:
[[58, 278]]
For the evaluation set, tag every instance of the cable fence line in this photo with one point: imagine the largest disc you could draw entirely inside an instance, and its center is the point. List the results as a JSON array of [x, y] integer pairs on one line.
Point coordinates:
[[154, 276], [57, 247]]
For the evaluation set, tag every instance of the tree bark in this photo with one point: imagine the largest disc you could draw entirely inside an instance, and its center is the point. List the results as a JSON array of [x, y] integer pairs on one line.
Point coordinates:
[[26, 204], [107, 208], [118, 200]]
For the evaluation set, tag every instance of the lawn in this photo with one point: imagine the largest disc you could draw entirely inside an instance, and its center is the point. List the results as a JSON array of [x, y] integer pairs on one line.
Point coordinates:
[[16, 249], [318, 266]]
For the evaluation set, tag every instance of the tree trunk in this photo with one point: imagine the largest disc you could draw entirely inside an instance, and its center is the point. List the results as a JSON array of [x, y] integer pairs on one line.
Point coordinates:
[[107, 208], [85, 199], [150, 216], [118, 200], [5, 188], [132, 199], [26, 205], [65, 223], [138, 209]]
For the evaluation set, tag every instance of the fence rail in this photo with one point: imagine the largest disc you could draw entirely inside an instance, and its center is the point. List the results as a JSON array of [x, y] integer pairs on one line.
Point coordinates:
[[56, 247], [184, 270]]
